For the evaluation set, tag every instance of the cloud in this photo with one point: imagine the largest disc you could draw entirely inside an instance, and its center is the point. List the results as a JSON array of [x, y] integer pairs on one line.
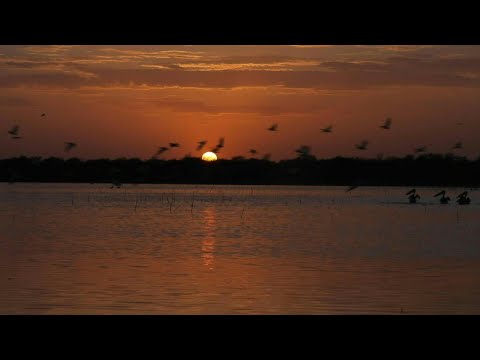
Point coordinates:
[[122, 67]]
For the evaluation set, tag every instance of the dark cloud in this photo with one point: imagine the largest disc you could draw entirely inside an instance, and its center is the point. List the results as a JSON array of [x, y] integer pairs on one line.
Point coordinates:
[[336, 75]]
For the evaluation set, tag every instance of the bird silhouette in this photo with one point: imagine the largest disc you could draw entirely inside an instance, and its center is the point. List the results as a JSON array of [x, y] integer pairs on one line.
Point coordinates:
[[201, 144], [420, 149], [116, 183], [274, 127], [458, 145], [327, 129], [220, 145], [16, 137], [353, 187], [463, 199], [362, 146], [43, 115], [411, 191], [444, 199], [412, 199], [14, 130], [252, 151], [303, 150], [174, 144], [161, 150], [387, 124], [69, 146]]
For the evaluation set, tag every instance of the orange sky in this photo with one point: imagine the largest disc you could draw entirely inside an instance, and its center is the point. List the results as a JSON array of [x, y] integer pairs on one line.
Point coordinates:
[[126, 101]]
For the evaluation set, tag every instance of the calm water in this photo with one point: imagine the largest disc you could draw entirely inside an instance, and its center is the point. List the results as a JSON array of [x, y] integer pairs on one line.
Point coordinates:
[[186, 249]]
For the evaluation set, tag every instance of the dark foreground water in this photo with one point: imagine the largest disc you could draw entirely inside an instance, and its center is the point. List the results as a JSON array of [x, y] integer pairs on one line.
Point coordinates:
[[186, 249]]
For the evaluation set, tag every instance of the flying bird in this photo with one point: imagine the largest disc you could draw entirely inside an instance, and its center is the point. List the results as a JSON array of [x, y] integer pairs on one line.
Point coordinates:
[[458, 145], [174, 145], [161, 150], [387, 124], [221, 144], [43, 115], [328, 129], [303, 150], [201, 144], [362, 146], [14, 130], [252, 151], [420, 149], [69, 146], [274, 127]]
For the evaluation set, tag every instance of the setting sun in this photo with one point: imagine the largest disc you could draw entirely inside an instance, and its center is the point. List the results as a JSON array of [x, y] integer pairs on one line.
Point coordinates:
[[209, 156]]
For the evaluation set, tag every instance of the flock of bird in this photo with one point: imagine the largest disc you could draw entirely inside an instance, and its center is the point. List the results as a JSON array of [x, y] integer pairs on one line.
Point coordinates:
[[303, 150], [462, 199], [14, 134]]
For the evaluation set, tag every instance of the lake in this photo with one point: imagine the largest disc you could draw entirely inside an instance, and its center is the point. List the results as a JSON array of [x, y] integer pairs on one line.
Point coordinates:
[[203, 249]]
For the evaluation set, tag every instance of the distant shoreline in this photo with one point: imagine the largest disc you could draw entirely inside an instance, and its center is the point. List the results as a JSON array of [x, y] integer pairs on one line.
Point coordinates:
[[246, 185], [424, 171]]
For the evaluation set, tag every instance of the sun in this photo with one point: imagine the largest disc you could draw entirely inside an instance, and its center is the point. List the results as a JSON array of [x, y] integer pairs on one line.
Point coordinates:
[[209, 156]]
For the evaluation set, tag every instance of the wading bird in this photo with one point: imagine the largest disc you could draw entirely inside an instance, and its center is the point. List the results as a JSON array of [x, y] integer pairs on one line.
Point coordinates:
[[463, 199], [412, 199], [444, 199]]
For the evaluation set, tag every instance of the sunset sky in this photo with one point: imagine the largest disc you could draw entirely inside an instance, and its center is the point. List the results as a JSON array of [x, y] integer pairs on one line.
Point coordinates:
[[126, 101]]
